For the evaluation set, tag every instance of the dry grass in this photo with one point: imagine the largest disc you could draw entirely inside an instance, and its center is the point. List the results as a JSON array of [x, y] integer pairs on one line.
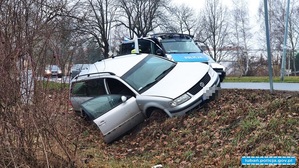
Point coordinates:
[[240, 123]]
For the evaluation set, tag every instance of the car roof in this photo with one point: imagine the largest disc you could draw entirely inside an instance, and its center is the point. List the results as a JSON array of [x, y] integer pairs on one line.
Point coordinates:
[[114, 66], [171, 35], [52, 67], [161, 35]]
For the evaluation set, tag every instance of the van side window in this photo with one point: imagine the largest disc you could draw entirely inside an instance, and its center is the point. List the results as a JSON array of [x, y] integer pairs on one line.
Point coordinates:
[[155, 48], [117, 87], [91, 88], [144, 46], [126, 48]]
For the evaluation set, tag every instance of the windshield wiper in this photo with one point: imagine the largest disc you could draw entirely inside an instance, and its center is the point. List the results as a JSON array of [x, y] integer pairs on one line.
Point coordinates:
[[164, 73], [157, 78], [148, 85]]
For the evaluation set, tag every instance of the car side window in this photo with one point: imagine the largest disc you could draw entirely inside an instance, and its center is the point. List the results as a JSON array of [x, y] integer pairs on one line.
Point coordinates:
[[98, 106], [117, 87], [94, 87], [79, 89]]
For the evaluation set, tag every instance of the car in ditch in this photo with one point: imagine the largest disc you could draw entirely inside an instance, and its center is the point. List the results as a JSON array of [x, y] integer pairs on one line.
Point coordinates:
[[120, 92], [175, 46]]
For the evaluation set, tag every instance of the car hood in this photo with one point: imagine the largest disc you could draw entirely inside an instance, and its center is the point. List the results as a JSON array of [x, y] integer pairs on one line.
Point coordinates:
[[179, 80], [216, 65], [189, 57]]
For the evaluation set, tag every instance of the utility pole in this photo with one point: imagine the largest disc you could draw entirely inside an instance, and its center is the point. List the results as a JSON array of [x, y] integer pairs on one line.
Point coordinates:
[[268, 45]]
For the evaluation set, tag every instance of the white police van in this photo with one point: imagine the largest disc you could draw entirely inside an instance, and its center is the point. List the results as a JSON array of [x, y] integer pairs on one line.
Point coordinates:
[[176, 47]]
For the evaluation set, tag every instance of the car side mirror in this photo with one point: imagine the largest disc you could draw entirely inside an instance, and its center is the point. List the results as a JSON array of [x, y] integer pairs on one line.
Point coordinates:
[[160, 52], [123, 98]]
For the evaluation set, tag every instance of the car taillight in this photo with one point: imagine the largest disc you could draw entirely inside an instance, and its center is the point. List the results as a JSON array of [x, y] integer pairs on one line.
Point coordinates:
[[70, 103]]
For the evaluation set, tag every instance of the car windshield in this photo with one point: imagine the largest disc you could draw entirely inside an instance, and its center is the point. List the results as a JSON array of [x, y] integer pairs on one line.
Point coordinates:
[[180, 46], [148, 72], [52, 67], [76, 66], [79, 66]]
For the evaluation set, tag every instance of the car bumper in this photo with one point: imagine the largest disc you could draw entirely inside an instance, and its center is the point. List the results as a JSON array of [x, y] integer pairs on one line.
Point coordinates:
[[53, 75], [207, 95], [221, 74]]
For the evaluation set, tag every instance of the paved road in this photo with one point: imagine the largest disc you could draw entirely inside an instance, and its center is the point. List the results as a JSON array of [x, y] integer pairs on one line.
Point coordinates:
[[264, 86], [64, 79]]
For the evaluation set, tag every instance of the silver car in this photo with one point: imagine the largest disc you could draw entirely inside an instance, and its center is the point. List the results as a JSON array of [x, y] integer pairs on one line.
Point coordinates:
[[77, 68], [52, 70], [119, 93]]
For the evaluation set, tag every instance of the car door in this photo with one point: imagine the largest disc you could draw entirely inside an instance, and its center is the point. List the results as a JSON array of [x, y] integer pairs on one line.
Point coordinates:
[[85, 90], [113, 114]]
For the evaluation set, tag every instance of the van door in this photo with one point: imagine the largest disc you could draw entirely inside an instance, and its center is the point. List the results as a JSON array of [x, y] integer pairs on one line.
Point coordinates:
[[113, 114]]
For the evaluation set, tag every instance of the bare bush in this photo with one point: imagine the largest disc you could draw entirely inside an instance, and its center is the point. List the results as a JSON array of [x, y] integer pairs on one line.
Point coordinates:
[[34, 130]]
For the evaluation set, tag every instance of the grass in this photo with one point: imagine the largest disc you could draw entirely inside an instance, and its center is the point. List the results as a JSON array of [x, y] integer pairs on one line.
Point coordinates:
[[55, 86], [240, 123], [287, 79]]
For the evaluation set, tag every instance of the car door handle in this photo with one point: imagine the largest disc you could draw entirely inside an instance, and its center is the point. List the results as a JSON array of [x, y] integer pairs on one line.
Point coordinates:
[[102, 123]]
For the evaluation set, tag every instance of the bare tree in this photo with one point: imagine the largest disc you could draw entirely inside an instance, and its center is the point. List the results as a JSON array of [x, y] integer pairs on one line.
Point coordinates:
[[293, 34], [180, 19], [214, 33], [277, 11], [140, 16], [241, 34], [97, 21], [28, 126]]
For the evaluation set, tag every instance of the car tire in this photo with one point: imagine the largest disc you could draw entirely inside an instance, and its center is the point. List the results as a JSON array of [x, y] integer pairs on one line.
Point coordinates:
[[84, 116], [157, 114]]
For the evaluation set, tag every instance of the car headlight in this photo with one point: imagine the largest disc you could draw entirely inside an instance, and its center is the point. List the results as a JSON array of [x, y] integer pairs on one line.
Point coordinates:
[[59, 71], [211, 72], [182, 99], [47, 72]]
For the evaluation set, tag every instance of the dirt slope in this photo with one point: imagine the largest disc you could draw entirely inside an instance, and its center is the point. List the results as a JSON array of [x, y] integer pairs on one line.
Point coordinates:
[[240, 123]]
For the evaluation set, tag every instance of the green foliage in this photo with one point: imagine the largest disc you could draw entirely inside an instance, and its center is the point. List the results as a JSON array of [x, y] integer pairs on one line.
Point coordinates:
[[53, 85]]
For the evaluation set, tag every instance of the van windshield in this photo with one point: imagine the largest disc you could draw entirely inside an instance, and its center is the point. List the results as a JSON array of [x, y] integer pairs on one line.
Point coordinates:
[[148, 72], [180, 46]]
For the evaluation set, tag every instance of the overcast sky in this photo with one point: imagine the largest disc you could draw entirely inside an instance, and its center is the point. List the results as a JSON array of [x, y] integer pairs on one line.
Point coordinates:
[[199, 4], [253, 5]]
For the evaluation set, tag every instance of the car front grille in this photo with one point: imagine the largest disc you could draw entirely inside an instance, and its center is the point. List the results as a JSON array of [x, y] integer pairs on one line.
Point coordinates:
[[218, 69], [199, 85]]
